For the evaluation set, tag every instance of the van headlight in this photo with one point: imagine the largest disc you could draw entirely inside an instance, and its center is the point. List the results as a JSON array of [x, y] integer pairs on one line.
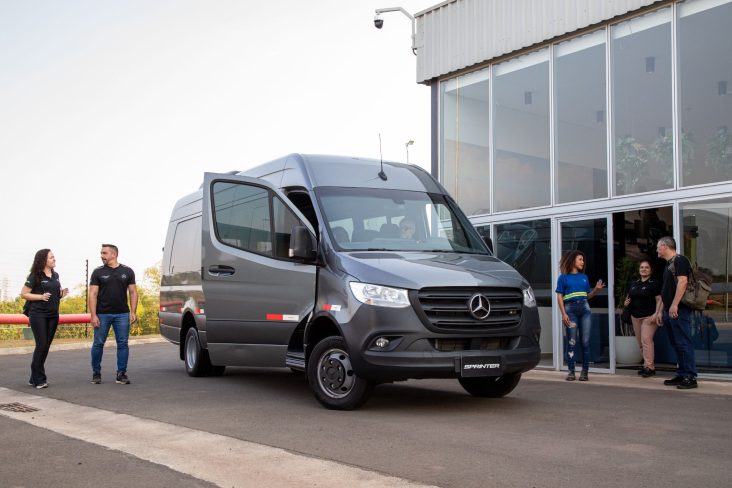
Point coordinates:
[[529, 297], [379, 296]]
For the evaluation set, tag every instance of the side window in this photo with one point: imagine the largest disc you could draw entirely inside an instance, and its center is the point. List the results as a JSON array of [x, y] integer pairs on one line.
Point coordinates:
[[186, 253], [241, 215], [284, 221]]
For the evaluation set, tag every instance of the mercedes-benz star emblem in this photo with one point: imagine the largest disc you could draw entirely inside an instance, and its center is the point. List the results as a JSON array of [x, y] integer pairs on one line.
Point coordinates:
[[479, 306]]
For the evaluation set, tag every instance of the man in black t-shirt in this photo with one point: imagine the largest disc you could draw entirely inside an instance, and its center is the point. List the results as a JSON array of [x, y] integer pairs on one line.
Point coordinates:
[[108, 288], [676, 315]]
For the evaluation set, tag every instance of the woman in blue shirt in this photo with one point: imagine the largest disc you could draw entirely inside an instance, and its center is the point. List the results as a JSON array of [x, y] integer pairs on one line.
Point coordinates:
[[573, 291]]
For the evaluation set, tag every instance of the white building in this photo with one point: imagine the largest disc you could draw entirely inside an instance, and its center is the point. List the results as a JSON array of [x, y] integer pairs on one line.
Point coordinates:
[[598, 125]]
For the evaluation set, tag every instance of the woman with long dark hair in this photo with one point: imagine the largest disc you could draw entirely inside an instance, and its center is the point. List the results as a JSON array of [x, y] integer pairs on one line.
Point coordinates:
[[43, 291], [573, 291]]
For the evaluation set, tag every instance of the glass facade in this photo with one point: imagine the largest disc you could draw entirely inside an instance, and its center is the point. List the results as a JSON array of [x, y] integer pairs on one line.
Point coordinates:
[[642, 103], [521, 135], [581, 121], [465, 141], [527, 247], [705, 85], [629, 124], [707, 242]]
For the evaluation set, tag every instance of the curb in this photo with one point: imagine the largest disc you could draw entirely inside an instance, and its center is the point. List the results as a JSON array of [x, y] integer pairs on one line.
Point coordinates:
[[709, 386], [78, 345]]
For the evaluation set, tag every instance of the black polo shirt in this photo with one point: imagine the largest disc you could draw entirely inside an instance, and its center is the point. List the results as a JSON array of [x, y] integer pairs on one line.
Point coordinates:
[[643, 297], [682, 267], [52, 285], [112, 283]]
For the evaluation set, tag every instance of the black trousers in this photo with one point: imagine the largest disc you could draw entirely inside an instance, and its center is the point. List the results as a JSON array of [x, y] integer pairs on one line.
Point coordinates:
[[44, 328]]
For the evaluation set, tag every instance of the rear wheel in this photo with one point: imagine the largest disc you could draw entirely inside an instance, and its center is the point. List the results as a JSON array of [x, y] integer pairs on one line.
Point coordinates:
[[196, 358], [491, 386], [332, 379]]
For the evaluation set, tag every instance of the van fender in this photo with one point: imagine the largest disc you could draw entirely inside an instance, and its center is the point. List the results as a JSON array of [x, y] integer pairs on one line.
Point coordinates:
[[322, 324]]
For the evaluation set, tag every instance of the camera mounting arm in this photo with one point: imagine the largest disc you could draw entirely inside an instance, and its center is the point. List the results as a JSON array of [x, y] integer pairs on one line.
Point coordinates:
[[378, 22]]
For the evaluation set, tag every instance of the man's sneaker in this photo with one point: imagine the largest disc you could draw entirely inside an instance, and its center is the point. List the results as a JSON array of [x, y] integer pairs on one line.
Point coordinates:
[[570, 376], [640, 370], [687, 384], [648, 372], [96, 378], [30, 383], [675, 381], [122, 379], [583, 376], [45, 385]]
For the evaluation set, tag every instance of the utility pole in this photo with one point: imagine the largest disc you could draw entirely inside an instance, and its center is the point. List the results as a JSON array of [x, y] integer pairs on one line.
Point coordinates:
[[86, 299]]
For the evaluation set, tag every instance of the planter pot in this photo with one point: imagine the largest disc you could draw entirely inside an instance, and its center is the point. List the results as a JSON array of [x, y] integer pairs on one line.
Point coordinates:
[[627, 351]]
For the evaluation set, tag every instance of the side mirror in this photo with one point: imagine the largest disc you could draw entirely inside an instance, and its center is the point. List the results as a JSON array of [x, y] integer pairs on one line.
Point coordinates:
[[488, 242], [302, 245]]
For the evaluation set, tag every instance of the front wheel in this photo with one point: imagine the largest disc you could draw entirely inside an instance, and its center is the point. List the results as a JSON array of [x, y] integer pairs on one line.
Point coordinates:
[[332, 379], [491, 386], [196, 358]]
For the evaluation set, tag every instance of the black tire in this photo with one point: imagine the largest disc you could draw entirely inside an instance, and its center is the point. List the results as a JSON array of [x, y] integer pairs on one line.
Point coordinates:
[[332, 379], [490, 386], [195, 357]]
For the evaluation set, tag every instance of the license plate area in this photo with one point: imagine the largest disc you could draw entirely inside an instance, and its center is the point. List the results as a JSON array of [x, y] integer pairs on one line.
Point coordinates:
[[481, 366]]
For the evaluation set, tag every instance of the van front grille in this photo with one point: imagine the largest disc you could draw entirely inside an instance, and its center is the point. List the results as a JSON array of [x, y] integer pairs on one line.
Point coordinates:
[[449, 308]]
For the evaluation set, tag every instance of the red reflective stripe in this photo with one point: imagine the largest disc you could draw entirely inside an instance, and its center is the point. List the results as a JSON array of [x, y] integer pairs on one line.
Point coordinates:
[[327, 306], [274, 316]]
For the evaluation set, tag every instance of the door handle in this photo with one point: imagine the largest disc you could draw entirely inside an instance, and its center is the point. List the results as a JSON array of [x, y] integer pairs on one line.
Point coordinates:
[[220, 270]]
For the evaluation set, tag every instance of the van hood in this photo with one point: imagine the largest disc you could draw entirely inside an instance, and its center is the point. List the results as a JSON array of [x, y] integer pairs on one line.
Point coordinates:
[[415, 270]]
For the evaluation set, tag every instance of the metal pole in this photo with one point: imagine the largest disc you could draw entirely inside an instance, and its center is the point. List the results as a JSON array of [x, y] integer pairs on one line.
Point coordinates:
[[86, 299]]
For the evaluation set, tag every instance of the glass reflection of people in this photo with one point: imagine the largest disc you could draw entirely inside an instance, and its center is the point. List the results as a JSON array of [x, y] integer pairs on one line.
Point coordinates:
[[407, 229], [573, 291], [645, 306], [43, 291]]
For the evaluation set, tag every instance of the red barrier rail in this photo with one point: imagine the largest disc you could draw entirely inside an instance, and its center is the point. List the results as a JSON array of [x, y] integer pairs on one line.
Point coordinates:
[[68, 318]]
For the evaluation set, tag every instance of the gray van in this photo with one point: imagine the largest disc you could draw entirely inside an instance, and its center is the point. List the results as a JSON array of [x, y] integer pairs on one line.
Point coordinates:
[[354, 271]]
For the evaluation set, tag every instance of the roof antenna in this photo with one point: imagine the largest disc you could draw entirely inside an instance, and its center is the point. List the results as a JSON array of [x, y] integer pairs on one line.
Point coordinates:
[[382, 175]]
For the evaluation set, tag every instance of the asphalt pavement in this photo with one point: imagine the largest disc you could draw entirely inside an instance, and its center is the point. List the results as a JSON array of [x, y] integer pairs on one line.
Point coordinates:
[[618, 430]]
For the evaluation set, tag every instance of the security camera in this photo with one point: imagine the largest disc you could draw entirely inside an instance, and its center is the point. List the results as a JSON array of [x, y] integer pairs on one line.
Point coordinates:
[[378, 21]]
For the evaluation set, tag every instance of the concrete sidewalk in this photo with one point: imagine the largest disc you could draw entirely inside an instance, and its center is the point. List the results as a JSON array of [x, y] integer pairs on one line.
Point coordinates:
[[630, 379]]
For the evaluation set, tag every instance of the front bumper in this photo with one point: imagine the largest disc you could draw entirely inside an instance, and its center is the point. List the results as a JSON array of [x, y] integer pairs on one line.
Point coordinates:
[[414, 351]]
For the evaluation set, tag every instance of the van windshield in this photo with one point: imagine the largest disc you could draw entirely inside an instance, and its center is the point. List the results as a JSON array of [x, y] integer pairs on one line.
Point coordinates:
[[396, 220]]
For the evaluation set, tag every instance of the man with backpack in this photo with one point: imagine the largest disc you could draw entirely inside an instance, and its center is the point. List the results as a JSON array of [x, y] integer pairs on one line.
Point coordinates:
[[676, 315]]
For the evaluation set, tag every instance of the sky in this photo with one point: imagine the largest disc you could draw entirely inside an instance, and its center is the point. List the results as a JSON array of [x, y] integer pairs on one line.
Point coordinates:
[[111, 110]]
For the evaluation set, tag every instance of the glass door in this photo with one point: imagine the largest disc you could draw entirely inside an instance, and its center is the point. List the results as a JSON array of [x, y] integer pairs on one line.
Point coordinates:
[[593, 237]]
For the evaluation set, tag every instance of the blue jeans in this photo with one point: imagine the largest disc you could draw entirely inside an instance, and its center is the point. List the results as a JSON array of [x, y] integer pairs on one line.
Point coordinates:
[[579, 313], [120, 322], [679, 333]]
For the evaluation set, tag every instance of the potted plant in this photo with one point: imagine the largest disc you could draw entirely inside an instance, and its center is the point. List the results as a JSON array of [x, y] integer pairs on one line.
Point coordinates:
[[626, 344], [627, 351]]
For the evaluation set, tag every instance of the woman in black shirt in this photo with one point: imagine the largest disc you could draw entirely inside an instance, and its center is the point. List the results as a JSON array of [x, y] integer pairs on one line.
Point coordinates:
[[644, 303], [43, 291]]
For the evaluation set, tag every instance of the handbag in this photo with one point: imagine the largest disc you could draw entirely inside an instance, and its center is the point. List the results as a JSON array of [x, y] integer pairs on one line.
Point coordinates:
[[26, 308]]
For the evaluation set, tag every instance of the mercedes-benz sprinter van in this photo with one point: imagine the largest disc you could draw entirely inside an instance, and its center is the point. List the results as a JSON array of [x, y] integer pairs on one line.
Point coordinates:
[[354, 271]]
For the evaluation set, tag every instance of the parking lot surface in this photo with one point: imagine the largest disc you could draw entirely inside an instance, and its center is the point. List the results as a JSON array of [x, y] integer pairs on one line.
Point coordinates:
[[611, 431]]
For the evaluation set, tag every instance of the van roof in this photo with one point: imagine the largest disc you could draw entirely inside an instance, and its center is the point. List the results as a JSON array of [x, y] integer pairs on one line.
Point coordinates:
[[316, 170]]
